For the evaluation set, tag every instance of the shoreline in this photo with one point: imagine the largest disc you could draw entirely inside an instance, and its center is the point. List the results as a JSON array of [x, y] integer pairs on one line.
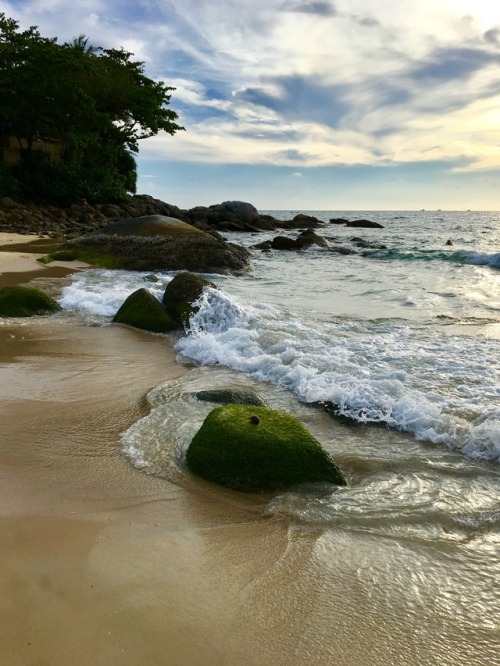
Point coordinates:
[[103, 564], [18, 260]]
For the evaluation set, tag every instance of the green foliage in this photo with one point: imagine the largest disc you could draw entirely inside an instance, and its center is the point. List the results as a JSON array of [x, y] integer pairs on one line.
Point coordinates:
[[9, 185], [58, 255], [95, 103], [250, 448], [26, 302]]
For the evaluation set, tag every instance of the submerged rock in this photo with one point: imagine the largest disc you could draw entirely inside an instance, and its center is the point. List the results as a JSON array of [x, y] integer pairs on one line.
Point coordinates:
[[142, 310], [252, 449], [231, 396], [308, 238], [305, 239], [26, 302]]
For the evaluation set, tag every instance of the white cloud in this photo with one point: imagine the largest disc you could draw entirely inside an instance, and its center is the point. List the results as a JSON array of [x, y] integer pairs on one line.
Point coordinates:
[[388, 81]]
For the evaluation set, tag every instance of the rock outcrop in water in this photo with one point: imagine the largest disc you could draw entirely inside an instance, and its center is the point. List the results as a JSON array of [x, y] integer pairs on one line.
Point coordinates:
[[181, 293], [307, 238], [362, 224], [253, 449], [143, 310]]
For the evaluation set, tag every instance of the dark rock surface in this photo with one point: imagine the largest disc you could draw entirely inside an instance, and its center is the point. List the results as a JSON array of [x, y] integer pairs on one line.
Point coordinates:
[[142, 310], [82, 217], [178, 247], [181, 293], [231, 396]]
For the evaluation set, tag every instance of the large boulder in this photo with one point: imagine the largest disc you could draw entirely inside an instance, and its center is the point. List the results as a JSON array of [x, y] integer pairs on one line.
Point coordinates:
[[149, 225], [142, 310], [26, 302], [302, 220], [155, 242], [181, 293], [235, 211], [252, 449]]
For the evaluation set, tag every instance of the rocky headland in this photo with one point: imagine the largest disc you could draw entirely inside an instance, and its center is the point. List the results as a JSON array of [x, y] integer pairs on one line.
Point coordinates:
[[82, 218]]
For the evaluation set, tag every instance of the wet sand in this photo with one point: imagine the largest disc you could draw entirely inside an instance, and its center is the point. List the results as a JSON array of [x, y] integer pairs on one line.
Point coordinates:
[[101, 564]]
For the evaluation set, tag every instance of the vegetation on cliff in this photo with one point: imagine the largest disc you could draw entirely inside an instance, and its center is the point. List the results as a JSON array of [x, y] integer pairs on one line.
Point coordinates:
[[95, 104]]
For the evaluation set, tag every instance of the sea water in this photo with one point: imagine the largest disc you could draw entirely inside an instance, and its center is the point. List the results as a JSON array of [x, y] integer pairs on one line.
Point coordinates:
[[405, 332], [402, 336]]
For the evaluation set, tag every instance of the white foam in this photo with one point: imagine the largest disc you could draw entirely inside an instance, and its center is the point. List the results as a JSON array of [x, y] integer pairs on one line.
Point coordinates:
[[425, 388], [479, 258], [102, 292]]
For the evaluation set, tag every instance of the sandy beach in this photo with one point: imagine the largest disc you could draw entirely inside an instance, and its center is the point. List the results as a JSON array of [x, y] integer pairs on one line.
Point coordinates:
[[102, 564]]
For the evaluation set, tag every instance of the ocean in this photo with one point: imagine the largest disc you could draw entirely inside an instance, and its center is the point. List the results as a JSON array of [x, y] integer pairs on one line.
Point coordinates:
[[402, 336]]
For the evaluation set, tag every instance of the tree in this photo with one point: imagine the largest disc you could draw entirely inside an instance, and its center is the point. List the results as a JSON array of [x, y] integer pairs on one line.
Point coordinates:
[[96, 103]]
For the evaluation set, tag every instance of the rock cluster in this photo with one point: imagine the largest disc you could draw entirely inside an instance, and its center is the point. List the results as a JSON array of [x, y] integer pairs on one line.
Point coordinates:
[[143, 310], [82, 218]]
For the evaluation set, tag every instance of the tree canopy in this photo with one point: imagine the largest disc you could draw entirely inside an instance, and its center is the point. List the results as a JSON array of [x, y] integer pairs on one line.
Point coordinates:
[[95, 103]]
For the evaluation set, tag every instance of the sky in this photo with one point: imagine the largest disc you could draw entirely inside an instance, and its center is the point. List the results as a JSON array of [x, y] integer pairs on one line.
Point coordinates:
[[309, 104]]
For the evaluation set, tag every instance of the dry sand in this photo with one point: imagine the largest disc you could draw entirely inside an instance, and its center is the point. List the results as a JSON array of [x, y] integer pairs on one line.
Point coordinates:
[[102, 565]]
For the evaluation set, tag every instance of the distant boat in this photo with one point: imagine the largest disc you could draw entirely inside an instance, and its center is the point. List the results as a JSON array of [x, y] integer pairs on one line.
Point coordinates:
[[422, 209]]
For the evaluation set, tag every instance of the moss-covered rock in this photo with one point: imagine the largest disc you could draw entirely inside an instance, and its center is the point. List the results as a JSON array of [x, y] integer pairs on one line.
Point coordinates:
[[231, 396], [26, 302], [159, 243], [142, 310], [151, 225], [58, 255], [181, 293], [251, 449]]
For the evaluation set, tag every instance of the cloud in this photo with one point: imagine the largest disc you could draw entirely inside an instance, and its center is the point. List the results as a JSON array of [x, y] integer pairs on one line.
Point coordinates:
[[318, 8], [276, 82], [298, 96], [492, 36], [452, 64]]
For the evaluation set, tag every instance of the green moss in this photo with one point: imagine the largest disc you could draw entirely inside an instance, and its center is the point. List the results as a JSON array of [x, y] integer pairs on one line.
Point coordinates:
[[47, 259], [142, 310], [181, 292], [269, 452], [58, 255], [99, 259], [26, 302], [86, 255]]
